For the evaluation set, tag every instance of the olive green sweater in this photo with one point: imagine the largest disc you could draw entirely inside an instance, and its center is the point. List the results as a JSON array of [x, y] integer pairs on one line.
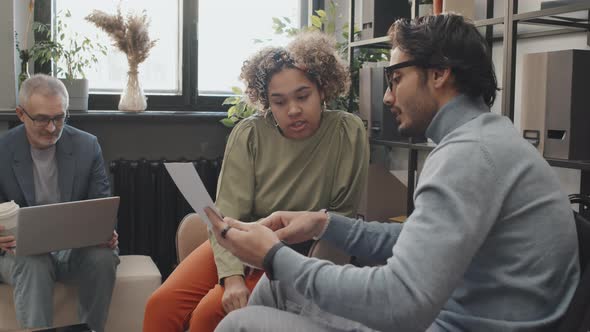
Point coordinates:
[[263, 172]]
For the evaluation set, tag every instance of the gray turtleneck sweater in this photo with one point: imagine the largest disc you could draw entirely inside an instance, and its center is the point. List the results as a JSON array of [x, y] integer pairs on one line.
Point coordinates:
[[490, 246]]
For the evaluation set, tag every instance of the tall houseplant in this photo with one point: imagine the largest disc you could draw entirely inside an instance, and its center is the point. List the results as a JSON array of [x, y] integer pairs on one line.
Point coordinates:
[[71, 53], [326, 21]]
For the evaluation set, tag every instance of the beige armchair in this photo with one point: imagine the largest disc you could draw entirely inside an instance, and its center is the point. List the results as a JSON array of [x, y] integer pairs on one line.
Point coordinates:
[[191, 233], [137, 278]]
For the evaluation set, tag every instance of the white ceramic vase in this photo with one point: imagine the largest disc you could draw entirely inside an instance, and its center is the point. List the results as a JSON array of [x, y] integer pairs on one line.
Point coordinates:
[[132, 99]]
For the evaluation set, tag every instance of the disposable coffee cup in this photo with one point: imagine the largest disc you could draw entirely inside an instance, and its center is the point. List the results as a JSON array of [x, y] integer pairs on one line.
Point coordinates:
[[8, 217]]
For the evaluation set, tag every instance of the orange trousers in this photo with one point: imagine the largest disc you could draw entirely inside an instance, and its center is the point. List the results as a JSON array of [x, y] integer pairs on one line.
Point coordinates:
[[190, 296]]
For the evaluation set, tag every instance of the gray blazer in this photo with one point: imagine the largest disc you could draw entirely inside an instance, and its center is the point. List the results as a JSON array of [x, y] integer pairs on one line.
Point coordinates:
[[81, 172]]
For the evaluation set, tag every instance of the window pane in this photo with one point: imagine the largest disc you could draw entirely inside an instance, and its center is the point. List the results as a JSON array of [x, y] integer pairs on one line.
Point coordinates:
[[160, 73], [227, 29]]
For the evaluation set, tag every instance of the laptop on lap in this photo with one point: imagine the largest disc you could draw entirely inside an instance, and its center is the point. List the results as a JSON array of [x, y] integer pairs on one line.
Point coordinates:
[[46, 228]]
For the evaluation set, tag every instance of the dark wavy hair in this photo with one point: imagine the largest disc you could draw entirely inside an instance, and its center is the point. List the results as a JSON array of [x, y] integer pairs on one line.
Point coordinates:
[[449, 41]]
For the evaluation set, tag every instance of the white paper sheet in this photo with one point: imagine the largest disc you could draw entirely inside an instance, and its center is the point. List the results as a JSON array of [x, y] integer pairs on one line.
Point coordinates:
[[190, 185]]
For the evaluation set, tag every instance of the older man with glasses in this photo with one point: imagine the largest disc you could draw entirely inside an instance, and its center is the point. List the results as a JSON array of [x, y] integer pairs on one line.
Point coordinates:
[[45, 161]]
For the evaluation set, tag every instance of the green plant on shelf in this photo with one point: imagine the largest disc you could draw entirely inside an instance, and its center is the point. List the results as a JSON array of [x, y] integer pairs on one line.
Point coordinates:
[[239, 109]]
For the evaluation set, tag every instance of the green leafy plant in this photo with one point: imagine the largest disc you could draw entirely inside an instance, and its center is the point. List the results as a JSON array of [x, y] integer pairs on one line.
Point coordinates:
[[239, 109], [72, 54], [326, 21]]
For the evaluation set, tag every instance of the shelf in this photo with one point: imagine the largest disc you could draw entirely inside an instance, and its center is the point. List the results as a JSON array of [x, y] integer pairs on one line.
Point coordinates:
[[550, 11], [393, 144], [404, 144], [380, 42], [558, 21], [537, 34], [118, 115], [583, 165], [423, 146], [489, 22], [384, 42]]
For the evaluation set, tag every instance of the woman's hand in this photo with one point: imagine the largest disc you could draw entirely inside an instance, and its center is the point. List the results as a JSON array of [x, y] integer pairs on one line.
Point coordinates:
[[235, 294], [247, 241]]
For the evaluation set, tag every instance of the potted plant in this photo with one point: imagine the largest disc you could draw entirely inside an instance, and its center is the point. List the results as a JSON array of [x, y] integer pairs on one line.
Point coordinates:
[[71, 55], [239, 109]]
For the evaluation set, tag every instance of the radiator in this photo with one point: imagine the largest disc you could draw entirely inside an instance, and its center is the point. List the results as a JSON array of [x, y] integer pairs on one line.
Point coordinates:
[[151, 206]]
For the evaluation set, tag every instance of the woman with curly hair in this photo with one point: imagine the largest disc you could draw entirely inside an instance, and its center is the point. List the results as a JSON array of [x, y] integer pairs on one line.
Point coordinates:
[[293, 155]]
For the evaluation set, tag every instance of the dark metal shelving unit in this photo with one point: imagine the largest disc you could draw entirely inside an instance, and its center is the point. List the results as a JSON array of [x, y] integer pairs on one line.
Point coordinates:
[[380, 42], [489, 22], [404, 144], [510, 21], [413, 149], [583, 165], [541, 17], [565, 9]]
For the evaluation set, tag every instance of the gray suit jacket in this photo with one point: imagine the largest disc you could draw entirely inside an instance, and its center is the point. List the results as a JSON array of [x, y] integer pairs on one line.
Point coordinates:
[[81, 172]]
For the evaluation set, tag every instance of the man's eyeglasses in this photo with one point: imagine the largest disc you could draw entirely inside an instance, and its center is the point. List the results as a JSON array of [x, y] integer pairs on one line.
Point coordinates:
[[43, 121], [390, 70]]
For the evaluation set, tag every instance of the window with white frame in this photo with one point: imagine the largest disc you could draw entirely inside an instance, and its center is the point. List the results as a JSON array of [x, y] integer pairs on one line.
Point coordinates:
[[161, 73], [228, 33]]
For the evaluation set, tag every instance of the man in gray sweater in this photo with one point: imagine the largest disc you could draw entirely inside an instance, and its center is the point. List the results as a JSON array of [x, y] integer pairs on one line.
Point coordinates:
[[490, 246]]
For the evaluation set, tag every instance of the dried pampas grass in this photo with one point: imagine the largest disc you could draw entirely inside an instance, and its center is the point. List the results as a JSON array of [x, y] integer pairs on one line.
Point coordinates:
[[129, 34]]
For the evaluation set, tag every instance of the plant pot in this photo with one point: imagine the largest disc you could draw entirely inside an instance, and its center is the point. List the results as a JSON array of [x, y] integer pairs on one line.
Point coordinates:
[[24, 67], [78, 91]]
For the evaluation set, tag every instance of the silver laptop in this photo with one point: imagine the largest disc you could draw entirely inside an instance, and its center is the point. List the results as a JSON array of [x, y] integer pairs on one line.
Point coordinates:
[[46, 228]]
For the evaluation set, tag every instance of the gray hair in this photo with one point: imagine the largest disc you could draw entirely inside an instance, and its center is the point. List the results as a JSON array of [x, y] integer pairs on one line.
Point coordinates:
[[44, 85]]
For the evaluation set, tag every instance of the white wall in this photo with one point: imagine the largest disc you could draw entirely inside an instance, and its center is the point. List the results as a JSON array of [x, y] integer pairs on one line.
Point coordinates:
[[7, 55], [13, 17]]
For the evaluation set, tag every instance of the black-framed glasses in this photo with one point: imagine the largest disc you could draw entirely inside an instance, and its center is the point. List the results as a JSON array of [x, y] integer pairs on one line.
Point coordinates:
[[389, 70], [42, 120]]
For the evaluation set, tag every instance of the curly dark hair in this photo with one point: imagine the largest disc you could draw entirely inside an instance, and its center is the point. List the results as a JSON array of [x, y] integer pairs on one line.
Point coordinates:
[[449, 41], [312, 52]]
